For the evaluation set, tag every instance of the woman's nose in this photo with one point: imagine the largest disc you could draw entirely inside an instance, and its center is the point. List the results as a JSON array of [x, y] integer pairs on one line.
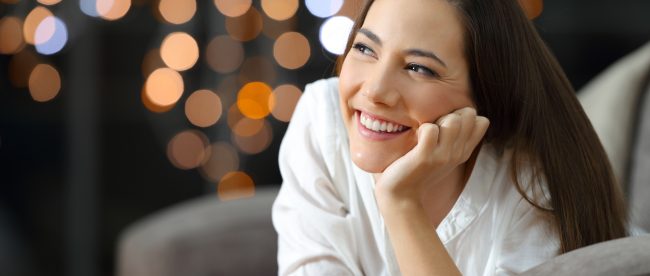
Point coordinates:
[[379, 86]]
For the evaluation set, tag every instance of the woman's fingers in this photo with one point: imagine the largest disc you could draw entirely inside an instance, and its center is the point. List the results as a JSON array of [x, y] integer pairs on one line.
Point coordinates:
[[467, 119], [450, 125], [481, 125]]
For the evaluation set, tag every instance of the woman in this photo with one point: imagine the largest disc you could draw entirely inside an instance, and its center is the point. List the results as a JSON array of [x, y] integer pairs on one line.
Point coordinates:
[[450, 143]]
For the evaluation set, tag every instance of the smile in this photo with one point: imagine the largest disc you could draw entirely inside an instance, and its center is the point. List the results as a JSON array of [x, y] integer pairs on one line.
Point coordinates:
[[377, 129]]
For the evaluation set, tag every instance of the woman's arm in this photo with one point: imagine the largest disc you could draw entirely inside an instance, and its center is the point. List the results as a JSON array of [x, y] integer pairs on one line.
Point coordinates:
[[441, 148]]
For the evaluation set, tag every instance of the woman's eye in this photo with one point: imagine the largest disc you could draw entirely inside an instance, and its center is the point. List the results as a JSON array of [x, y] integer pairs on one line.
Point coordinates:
[[363, 49], [421, 69]]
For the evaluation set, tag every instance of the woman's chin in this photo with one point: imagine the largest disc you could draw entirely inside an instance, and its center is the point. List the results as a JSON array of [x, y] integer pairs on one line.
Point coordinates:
[[371, 163]]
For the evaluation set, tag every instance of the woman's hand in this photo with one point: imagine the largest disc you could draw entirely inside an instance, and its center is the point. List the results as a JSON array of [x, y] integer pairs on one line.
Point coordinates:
[[440, 148]]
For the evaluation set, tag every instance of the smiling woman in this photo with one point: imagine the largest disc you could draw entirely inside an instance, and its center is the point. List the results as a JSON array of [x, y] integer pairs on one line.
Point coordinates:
[[457, 146]]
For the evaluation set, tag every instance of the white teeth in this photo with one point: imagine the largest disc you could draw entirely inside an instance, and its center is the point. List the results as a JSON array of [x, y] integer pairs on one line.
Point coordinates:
[[377, 125]]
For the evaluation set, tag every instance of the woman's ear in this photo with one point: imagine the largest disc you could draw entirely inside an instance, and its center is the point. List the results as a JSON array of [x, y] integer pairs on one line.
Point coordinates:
[[532, 8]]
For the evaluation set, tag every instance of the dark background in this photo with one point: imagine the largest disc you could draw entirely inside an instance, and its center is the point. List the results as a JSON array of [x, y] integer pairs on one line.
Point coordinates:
[[75, 171]]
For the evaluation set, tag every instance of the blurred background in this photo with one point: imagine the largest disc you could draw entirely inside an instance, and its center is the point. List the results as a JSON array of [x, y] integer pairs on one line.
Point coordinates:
[[111, 110]]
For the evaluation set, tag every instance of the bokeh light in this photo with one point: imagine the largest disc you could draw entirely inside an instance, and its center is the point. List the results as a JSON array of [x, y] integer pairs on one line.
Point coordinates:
[[49, 2], [224, 55], [291, 50], [164, 88], [233, 8], [89, 7], [242, 125], [177, 11], [113, 9], [51, 36], [323, 8], [32, 21], [186, 150], [256, 143], [253, 100], [44, 83], [334, 34], [236, 185], [284, 100], [351, 8], [245, 27], [222, 158], [280, 9], [203, 108], [179, 51], [11, 35], [227, 89], [151, 62], [21, 66], [532, 8], [257, 68], [273, 28]]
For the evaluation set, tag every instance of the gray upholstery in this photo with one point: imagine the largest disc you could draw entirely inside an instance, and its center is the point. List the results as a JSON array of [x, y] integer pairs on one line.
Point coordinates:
[[627, 256], [203, 237], [639, 184]]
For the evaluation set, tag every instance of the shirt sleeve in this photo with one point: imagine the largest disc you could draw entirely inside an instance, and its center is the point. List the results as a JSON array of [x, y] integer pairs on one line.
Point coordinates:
[[314, 232], [530, 241]]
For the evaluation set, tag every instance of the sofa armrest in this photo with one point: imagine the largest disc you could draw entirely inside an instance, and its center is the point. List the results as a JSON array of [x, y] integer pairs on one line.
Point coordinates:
[[625, 256], [203, 236]]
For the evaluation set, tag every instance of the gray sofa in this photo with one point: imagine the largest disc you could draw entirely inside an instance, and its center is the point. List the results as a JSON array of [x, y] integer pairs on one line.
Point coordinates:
[[208, 237]]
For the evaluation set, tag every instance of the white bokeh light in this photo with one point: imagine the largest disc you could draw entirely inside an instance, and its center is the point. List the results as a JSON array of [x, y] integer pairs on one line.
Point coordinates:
[[50, 36], [334, 34], [323, 8]]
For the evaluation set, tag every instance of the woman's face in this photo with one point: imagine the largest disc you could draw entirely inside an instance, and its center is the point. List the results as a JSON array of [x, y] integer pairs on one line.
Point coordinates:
[[406, 68]]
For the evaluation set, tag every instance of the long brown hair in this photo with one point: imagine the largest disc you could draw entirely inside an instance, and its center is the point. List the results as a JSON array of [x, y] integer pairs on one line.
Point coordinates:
[[518, 84]]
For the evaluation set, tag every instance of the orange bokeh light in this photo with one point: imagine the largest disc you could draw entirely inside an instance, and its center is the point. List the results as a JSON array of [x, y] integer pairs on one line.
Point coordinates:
[[11, 35], [284, 101], [233, 8], [235, 185], [186, 150], [253, 100], [351, 8], [179, 51], [245, 27], [177, 11], [280, 9], [256, 143], [291, 50], [222, 158], [203, 108], [113, 9], [33, 19], [44, 83], [164, 88], [224, 55], [48, 2], [532, 8], [242, 125]]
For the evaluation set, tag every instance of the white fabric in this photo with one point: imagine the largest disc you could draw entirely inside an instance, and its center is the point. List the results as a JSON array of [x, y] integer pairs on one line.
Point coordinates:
[[328, 222]]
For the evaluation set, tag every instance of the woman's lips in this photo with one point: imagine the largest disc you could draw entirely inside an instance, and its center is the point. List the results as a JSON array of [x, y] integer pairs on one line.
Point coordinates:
[[376, 129]]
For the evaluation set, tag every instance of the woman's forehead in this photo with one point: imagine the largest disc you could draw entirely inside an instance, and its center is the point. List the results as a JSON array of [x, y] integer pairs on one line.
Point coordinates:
[[428, 24]]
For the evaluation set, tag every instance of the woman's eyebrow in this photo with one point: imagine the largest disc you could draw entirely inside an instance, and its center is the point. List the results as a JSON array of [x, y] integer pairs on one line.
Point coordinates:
[[411, 52]]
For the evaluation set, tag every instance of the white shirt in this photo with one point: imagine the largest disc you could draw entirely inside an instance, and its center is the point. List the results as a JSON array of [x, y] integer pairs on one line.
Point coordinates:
[[329, 223]]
